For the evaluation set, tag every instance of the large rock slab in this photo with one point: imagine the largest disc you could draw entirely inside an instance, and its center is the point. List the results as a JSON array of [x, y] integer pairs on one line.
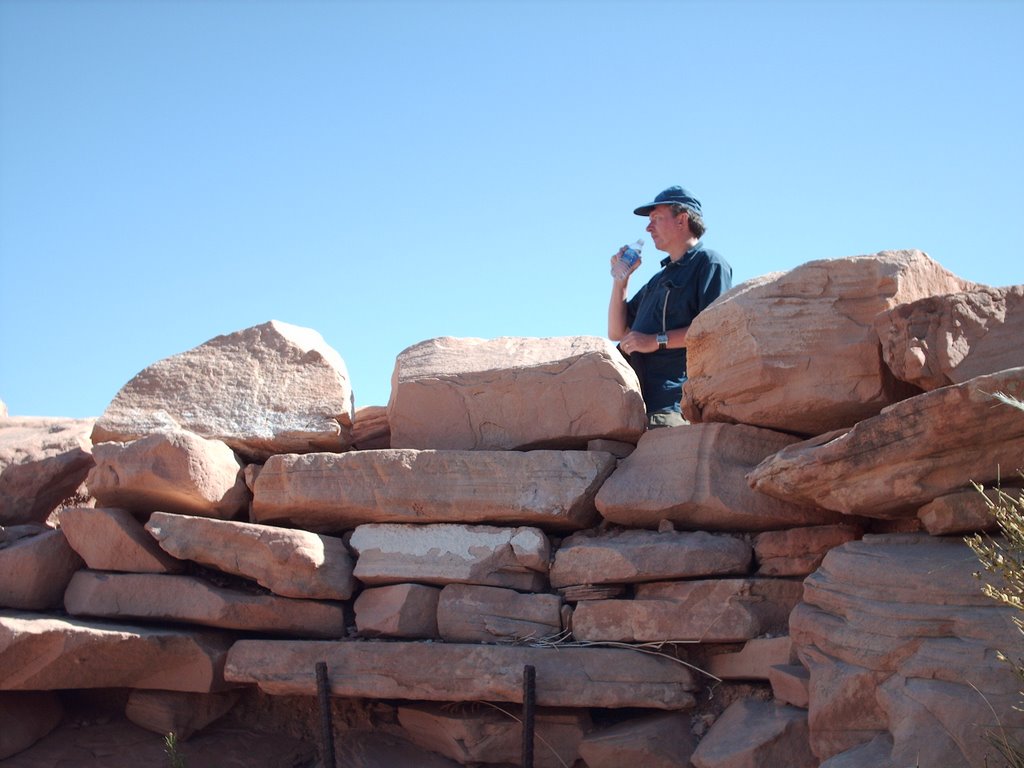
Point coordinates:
[[173, 472], [336, 492], [42, 653], [472, 735], [942, 340], [695, 477], [272, 388], [452, 554], [468, 613], [900, 642], [42, 462], [288, 562], [911, 453], [964, 511], [630, 556], [34, 571], [663, 740], [702, 611], [797, 351], [187, 599], [565, 676], [513, 393], [754, 733], [112, 539]]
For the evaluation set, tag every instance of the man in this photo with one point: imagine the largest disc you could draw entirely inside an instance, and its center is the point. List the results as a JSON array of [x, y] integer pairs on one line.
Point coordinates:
[[651, 327]]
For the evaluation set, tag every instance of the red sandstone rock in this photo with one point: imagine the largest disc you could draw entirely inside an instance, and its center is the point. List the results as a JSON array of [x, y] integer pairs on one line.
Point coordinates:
[[694, 477], [41, 653], [470, 613], [704, 611], [172, 472], [26, 716], [190, 600], [177, 712], [398, 610], [370, 430], [799, 551], [42, 462], [288, 562], [911, 453], [272, 388], [754, 661], [111, 539], [489, 736], [962, 512], [797, 351], [452, 554], [629, 556], [336, 492], [35, 570], [790, 684], [513, 393], [577, 677], [756, 733], [949, 339]]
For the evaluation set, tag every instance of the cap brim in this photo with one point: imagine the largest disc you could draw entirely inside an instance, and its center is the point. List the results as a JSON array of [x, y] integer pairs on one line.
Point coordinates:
[[645, 210]]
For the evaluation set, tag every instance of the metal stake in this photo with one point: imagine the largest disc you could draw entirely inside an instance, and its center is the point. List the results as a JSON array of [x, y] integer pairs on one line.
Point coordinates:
[[326, 727], [529, 699]]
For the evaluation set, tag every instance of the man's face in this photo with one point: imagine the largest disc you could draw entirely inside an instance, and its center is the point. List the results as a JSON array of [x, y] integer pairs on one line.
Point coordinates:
[[667, 229]]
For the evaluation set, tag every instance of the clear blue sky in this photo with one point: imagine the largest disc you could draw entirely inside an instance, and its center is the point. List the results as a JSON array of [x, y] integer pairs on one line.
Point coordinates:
[[389, 172]]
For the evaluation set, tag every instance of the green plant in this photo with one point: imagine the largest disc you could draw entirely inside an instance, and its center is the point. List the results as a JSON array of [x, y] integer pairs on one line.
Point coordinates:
[[1003, 558], [174, 757]]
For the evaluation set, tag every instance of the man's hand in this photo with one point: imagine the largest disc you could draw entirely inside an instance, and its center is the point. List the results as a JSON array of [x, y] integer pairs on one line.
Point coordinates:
[[635, 341], [620, 270]]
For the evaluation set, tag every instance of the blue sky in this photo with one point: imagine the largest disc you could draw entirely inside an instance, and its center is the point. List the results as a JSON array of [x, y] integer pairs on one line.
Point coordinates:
[[389, 172]]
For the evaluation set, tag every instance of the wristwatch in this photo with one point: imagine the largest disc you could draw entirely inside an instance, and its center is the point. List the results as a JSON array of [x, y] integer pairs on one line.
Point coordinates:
[[662, 340]]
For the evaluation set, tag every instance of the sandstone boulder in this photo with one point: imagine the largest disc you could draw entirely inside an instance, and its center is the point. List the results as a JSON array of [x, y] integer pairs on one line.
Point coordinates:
[[629, 556], [754, 733], [41, 653], [513, 393], [35, 570], [962, 511], [370, 429], [452, 554], [911, 453], [949, 339], [190, 600], [663, 740], [797, 351], [469, 613], [694, 477], [272, 388], [565, 677], [177, 712], [173, 472], [26, 716], [288, 562], [111, 539], [754, 661], [901, 643], [790, 684], [799, 551], [703, 611], [473, 736], [336, 492], [398, 610], [42, 462]]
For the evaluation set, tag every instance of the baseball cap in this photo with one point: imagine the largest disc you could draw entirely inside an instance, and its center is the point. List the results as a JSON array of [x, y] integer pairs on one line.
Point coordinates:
[[669, 196]]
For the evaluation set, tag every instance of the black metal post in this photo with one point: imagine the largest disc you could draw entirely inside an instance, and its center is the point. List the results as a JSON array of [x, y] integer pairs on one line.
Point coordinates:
[[326, 727], [529, 699]]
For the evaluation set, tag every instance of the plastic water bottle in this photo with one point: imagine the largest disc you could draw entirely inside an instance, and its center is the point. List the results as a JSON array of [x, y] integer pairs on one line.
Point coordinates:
[[629, 257]]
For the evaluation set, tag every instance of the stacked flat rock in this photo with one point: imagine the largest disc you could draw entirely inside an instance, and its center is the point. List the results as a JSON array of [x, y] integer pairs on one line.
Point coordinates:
[[513, 393]]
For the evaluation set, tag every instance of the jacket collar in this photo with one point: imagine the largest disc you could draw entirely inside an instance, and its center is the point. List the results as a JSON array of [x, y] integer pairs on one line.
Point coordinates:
[[685, 257]]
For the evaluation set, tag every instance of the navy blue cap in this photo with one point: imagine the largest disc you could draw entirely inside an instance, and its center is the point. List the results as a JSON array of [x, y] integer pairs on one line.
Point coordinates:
[[669, 196]]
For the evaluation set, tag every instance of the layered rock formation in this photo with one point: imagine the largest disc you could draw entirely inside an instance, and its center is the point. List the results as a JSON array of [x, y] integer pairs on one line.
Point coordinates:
[[772, 591]]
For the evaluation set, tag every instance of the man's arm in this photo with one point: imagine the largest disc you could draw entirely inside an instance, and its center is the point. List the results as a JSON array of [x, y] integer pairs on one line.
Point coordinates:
[[618, 320]]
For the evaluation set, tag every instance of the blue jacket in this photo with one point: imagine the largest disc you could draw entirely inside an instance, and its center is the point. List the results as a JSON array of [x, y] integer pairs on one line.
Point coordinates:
[[672, 299]]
